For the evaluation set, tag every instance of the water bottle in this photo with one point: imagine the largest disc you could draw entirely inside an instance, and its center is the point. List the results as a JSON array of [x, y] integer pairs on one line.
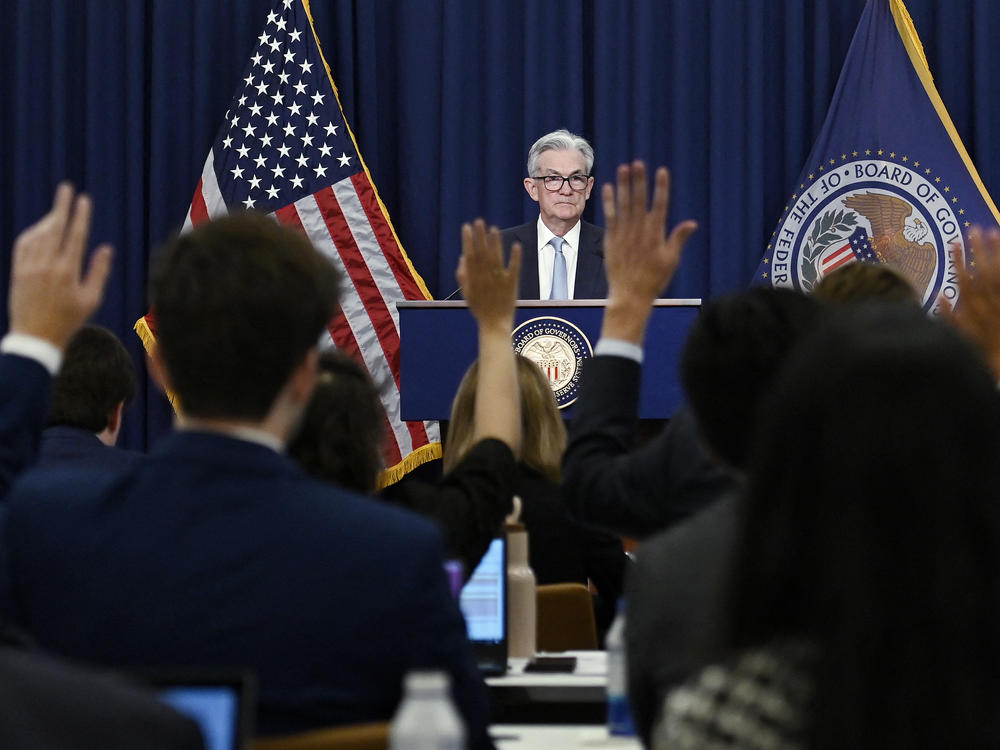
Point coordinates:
[[619, 714], [426, 718], [522, 606]]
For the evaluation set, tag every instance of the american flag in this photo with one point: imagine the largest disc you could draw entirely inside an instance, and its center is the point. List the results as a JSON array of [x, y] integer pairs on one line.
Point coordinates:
[[857, 247], [285, 149]]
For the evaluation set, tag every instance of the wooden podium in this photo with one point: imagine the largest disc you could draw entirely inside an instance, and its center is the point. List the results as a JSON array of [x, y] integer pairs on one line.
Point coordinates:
[[438, 343]]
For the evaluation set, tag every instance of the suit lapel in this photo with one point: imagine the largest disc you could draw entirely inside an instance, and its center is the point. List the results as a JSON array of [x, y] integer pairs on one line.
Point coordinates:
[[527, 235], [590, 281]]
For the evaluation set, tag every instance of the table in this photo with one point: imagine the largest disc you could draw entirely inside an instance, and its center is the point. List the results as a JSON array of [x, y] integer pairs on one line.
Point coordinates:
[[552, 698], [536, 737]]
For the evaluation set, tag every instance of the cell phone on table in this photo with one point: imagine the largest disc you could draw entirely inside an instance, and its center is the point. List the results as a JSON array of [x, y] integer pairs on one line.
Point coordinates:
[[551, 664]]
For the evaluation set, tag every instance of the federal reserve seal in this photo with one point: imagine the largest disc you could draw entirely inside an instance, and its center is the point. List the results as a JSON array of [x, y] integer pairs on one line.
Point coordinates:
[[879, 210], [558, 347]]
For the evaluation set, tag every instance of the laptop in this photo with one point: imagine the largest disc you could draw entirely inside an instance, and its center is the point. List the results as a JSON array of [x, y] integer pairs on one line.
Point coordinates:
[[222, 702], [483, 602]]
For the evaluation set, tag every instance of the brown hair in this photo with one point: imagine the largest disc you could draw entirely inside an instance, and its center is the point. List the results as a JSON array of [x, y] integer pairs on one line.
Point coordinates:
[[543, 434], [860, 282]]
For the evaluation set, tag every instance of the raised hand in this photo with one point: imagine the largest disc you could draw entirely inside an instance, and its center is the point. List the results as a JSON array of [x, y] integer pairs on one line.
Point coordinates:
[[488, 286], [977, 314], [639, 257], [48, 297]]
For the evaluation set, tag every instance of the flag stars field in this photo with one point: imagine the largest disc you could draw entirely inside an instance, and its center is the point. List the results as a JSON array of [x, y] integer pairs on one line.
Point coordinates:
[[277, 124]]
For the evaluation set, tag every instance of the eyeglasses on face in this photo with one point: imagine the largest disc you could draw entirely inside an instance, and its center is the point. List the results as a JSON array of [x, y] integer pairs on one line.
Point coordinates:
[[554, 182]]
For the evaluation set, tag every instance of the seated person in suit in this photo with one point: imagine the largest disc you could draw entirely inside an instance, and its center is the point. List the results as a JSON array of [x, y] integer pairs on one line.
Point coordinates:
[[560, 550], [217, 549], [45, 704], [341, 436], [89, 395], [559, 180]]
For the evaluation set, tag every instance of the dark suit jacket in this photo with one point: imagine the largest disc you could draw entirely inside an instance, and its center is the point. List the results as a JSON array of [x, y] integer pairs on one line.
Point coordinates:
[[590, 280], [72, 446], [24, 404], [46, 705], [217, 551], [674, 594], [610, 482]]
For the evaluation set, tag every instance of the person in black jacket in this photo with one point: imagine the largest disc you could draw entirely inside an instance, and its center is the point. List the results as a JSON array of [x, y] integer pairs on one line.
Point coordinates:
[[560, 549]]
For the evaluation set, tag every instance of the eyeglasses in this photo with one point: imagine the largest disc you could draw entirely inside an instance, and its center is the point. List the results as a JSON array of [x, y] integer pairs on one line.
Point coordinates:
[[554, 182]]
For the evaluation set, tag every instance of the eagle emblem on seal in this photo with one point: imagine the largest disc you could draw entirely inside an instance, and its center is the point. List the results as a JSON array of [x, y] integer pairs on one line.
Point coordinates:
[[897, 243]]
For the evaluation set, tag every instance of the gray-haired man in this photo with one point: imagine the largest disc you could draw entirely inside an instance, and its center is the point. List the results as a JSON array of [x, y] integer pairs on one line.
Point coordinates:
[[563, 256]]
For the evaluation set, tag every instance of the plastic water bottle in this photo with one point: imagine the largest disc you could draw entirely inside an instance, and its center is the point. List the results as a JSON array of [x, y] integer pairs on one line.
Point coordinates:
[[619, 714], [426, 718]]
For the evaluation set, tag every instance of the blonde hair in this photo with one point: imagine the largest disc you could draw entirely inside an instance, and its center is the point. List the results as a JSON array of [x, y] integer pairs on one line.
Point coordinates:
[[543, 434]]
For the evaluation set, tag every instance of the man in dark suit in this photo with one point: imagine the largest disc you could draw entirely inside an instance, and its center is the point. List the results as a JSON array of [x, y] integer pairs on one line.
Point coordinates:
[[563, 255], [44, 704], [217, 549], [89, 395]]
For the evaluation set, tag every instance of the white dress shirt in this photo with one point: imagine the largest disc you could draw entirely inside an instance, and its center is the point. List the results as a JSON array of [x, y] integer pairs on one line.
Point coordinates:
[[547, 254]]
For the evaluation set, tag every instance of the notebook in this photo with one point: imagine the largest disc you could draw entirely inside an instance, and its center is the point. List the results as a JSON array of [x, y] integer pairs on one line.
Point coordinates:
[[222, 702], [483, 602]]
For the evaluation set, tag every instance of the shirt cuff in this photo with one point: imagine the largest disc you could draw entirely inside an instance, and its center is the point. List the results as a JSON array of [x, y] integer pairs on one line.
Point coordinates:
[[619, 348], [45, 353]]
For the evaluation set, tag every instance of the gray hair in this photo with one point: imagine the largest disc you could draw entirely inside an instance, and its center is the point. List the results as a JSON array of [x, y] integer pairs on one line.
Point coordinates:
[[558, 140]]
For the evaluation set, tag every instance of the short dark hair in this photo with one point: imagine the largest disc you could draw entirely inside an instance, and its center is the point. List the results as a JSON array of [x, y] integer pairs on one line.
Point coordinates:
[[97, 374], [340, 439], [238, 302], [734, 349]]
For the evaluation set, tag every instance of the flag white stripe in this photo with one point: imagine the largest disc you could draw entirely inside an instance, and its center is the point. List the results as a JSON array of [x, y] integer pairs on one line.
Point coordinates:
[[359, 322]]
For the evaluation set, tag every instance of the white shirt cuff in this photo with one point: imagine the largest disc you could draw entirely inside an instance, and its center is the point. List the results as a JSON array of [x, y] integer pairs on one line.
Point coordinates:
[[619, 348], [45, 353]]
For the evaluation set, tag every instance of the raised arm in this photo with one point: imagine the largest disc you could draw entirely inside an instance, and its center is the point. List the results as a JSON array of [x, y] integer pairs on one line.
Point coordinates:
[[491, 290], [606, 480], [48, 302]]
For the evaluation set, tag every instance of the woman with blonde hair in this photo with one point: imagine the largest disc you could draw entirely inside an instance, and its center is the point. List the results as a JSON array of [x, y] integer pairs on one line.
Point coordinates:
[[560, 549]]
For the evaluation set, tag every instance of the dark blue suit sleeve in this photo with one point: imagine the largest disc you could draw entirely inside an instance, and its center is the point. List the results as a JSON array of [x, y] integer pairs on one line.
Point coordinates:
[[633, 491], [24, 405]]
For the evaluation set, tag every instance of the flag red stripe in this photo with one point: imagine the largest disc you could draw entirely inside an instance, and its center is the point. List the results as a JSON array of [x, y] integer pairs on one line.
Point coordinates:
[[199, 211], [368, 291], [357, 269], [843, 261], [386, 238], [343, 338]]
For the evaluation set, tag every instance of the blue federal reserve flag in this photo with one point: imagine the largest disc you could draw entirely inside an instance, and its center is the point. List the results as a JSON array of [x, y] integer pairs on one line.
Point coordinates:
[[888, 179]]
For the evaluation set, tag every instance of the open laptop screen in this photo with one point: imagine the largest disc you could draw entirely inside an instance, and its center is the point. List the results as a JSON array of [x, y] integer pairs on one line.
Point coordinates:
[[483, 600], [221, 701]]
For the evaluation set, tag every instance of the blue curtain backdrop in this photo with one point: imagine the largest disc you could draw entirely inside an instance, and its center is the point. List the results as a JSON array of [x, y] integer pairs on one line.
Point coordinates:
[[445, 96]]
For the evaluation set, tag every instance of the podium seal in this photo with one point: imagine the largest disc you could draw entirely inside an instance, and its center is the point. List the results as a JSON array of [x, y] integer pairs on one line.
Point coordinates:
[[558, 348]]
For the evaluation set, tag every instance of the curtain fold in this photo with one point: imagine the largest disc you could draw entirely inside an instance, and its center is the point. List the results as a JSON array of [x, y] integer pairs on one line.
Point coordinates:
[[445, 96]]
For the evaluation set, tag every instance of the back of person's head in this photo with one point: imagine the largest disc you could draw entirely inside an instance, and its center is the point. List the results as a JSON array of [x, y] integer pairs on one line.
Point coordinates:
[[872, 528], [341, 434], [731, 355], [96, 376], [543, 433], [238, 301], [860, 282]]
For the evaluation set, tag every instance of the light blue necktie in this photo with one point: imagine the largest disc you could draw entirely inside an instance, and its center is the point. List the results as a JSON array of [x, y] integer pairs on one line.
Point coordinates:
[[559, 287]]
